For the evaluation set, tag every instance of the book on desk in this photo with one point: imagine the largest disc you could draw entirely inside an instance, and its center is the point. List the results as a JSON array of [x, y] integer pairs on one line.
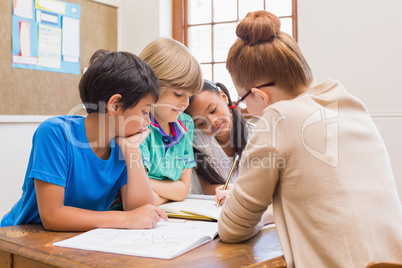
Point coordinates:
[[166, 241], [193, 208], [197, 207]]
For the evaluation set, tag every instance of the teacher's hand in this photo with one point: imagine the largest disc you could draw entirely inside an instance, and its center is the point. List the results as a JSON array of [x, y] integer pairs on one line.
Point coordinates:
[[221, 194]]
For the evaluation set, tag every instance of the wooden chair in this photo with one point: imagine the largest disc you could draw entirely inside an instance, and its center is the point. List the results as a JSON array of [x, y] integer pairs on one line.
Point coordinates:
[[384, 265]]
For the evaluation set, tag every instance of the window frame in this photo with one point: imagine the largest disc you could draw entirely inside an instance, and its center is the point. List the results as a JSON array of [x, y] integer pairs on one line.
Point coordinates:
[[180, 26], [180, 21]]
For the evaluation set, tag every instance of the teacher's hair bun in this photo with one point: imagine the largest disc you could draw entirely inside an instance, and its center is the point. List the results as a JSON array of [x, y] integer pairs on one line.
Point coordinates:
[[258, 27]]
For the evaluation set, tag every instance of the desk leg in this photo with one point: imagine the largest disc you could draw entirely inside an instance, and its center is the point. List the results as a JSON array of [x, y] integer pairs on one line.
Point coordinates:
[[22, 262], [5, 259]]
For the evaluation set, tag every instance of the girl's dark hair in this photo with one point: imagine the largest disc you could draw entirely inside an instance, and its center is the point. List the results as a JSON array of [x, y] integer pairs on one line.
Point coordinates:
[[112, 73], [238, 138]]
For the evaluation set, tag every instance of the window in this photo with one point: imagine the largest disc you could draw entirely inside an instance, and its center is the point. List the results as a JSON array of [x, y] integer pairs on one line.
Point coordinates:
[[207, 28]]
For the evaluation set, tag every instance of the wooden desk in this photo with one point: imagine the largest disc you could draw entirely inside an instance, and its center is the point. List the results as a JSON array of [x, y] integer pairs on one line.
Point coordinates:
[[32, 246]]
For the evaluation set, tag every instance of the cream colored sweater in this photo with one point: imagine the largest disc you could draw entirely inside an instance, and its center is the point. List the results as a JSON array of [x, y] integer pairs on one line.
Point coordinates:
[[323, 162]]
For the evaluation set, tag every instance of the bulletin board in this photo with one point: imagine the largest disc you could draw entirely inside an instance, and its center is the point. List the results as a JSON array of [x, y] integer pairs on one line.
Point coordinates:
[[44, 92], [46, 36]]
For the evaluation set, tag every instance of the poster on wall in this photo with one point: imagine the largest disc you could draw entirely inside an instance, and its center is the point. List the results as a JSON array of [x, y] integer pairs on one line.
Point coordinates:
[[46, 36]]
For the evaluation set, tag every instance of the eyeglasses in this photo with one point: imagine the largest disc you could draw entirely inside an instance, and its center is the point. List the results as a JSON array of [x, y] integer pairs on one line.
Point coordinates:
[[270, 84]]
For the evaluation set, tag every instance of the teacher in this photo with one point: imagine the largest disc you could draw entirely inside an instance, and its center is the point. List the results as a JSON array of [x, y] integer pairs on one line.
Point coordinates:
[[315, 153]]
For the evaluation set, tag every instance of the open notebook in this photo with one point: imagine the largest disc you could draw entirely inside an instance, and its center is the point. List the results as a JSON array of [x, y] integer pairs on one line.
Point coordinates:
[[166, 241], [189, 208]]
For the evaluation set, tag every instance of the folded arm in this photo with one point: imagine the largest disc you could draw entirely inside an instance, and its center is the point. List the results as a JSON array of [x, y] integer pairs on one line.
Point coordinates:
[[173, 190]]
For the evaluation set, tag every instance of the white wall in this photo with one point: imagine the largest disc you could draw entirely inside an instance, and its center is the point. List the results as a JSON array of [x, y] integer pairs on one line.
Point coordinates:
[[355, 42], [359, 43], [15, 147], [144, 21]]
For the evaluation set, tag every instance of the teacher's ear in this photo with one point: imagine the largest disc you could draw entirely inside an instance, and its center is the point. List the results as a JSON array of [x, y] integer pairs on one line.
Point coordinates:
[[262, 94]]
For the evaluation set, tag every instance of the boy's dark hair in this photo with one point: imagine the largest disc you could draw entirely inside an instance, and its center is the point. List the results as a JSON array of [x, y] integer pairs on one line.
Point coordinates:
[[112, 73], [238, 138]]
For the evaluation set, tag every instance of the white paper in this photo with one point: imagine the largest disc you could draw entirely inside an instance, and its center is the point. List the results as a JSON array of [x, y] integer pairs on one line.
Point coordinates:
[[71, 59], [200, 196], [53, 6], [25, 39], [43, 16], [49, 18], [25, 60], [49, 47], [23, 8], [71, 37], [166, 241]]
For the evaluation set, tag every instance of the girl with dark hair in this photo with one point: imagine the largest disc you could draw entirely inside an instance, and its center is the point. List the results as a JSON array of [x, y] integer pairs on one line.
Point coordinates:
[[220, 134]]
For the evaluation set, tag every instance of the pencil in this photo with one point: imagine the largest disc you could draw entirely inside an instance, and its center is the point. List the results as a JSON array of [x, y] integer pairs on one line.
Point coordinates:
[[229, 176]]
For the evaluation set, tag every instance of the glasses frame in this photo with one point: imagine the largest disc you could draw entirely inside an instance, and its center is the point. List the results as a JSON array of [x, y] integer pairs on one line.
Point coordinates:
[[270, 84]]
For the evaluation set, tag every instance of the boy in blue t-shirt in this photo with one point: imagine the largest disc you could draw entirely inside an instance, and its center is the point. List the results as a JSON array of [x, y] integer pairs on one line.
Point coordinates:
[[168, 151], [77, 164]]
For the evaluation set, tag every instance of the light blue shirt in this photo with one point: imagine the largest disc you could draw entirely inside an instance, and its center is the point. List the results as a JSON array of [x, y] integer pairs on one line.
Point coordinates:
[[166, 156]]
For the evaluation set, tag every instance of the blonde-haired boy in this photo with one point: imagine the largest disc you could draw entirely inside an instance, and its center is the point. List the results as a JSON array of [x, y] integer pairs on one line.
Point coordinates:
[[167, 152]]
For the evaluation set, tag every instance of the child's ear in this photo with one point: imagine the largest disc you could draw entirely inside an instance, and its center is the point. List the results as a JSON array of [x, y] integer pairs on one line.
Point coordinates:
[[224, 97], [113, 104], [262, 95]]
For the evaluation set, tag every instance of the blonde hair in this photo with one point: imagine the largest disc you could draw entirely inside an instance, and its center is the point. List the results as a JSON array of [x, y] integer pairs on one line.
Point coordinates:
[[174, 65], [263, 51]]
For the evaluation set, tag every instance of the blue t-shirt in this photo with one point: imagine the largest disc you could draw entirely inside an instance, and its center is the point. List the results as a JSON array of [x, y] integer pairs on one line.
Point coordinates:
[[61, 155]]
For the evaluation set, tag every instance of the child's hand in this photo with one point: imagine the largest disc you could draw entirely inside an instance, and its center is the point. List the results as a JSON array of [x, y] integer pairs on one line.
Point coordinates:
[[221, 194], [145, 217], [132, 142]]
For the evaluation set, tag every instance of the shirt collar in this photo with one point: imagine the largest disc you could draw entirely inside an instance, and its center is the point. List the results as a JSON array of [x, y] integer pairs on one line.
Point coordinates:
[[177, 129]]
